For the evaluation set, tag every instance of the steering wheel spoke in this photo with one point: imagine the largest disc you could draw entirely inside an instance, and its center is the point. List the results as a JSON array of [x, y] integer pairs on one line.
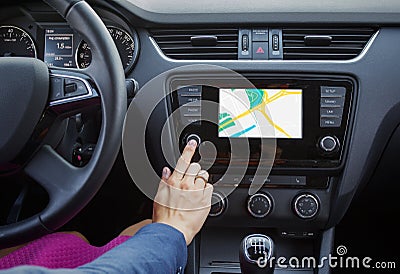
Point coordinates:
[[52, 172], [71, 91]]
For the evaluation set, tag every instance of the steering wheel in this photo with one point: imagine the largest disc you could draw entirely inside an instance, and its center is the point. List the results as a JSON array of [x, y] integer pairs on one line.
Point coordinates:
[[31, 105]]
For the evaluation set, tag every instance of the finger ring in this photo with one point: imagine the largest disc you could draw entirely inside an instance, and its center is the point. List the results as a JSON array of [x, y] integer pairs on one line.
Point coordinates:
[[202, 178]]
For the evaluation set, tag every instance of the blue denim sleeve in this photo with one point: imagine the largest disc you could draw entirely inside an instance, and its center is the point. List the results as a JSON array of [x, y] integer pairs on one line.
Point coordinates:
[[156, 248]]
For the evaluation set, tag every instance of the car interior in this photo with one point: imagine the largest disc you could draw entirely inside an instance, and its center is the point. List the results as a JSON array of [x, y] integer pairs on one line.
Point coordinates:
[[295, 106]]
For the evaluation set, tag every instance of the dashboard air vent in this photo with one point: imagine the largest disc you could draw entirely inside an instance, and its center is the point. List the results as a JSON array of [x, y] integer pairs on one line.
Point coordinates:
[[324, 43], [198, 44]]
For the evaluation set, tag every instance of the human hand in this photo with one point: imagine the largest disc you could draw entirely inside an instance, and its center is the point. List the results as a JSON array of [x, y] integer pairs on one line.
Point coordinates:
[[183, 199]]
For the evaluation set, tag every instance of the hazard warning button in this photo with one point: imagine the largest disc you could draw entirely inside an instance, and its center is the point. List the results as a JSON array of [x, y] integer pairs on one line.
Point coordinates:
[[260, 50]]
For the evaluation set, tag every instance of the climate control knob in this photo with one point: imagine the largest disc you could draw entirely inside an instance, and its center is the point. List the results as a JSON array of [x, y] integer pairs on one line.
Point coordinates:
[[259, 205], [306, 206], [218, 204]]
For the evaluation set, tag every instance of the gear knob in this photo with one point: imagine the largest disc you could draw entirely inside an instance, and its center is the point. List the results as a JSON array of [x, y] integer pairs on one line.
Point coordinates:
[[256, 251]]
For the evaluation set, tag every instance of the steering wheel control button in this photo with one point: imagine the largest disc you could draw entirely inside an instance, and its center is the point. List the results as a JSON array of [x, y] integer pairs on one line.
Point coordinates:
[[329, 144], [218, 204], [194, 137], [56, 88], [74, 87], [68, 88], [259, 205], [306, 206]]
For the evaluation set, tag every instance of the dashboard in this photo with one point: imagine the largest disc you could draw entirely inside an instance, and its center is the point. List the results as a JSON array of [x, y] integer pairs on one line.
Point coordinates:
[[333, 65]]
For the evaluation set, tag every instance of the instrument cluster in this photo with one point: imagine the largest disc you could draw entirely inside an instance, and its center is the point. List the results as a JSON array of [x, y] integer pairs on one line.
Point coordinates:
[[59, 46]]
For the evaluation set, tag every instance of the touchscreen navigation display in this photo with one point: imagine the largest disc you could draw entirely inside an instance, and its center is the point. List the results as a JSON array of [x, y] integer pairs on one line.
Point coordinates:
[[260, 113]]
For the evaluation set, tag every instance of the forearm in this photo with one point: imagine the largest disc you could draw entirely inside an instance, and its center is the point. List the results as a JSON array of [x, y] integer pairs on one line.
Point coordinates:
[[156, 248]]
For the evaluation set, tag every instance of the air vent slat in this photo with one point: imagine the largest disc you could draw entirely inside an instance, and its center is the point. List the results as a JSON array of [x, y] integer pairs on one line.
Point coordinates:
[[177, 43], [345, 44]]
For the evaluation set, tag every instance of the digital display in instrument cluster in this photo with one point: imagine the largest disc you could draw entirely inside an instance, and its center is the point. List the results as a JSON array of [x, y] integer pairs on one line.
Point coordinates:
[[59, 47]]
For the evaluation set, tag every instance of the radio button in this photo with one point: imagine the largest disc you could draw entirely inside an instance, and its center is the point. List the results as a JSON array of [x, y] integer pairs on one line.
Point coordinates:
[[190, 90], [332, 102], [333, 91]]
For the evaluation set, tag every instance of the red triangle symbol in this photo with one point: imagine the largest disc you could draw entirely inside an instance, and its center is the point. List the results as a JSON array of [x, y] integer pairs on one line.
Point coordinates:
[[260, 50]]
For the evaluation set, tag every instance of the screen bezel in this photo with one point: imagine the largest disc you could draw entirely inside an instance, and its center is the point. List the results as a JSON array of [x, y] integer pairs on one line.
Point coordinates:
[[291, 153]]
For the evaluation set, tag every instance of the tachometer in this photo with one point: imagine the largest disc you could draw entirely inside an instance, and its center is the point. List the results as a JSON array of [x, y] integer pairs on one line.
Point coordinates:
[[125, 44], [15, 41]]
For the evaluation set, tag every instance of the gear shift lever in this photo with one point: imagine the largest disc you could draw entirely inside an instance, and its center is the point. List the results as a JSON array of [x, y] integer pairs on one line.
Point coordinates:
[[256, 251]]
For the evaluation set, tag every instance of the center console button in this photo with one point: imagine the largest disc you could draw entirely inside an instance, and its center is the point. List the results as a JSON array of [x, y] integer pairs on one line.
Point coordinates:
[[329, 112], [330, 122], [260, 50], [332, 102], [260, 35], [194, 137], [333, 91], [329, 143]]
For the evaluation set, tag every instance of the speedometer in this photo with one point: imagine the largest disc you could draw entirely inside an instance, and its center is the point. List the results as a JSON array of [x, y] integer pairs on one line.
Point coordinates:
[[124, 42], [16, 42]]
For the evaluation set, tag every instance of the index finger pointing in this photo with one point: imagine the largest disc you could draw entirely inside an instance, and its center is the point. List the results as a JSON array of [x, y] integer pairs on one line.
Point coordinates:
[[184, 161]]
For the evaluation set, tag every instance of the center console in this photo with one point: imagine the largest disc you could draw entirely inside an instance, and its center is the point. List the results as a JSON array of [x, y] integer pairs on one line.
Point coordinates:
[[302, 122]]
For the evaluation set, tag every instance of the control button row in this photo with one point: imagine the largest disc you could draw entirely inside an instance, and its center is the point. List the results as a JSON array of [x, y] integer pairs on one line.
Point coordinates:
[[64, 87], [286, 180], [260, 44], [189, 99], [305, 205], [270, 180], [331, 106]]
